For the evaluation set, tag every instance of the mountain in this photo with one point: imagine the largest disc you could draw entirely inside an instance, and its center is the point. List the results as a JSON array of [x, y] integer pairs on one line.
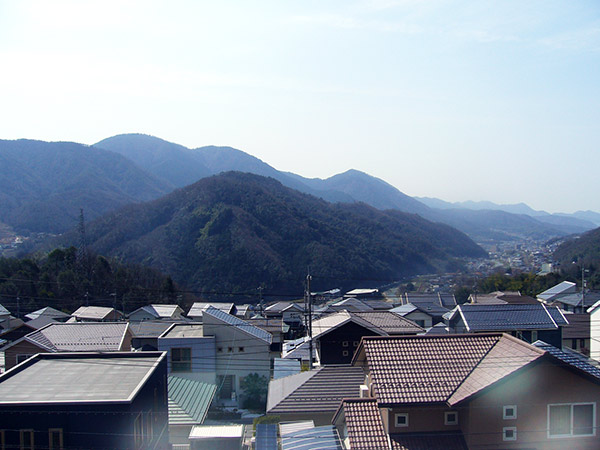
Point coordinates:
[[583, 249], [44, 184], [590, 216], [235, 231], [563, 224]]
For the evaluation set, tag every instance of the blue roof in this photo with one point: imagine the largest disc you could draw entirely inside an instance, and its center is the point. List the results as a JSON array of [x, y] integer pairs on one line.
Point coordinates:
[[266, 436], [322, 438], [239, 323], [509, 317], [572, 358]]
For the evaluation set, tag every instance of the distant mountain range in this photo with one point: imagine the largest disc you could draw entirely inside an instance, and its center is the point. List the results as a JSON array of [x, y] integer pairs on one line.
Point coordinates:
[[231, 232], [44, 184]]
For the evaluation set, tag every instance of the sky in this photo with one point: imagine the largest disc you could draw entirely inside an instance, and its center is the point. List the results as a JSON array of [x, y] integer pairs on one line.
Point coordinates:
[[458, 100]]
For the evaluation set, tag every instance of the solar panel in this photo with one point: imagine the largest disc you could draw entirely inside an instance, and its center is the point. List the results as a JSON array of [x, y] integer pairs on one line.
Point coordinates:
[[266, 436]]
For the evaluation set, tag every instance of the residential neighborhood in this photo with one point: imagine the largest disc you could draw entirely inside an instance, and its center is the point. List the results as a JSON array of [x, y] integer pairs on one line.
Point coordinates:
[[417, 372]]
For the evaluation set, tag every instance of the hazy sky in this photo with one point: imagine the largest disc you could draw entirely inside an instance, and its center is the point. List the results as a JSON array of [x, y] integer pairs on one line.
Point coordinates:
[[460, 100]]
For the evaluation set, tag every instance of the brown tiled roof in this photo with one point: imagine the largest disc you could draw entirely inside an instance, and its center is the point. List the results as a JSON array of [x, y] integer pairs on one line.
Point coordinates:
[[417, 369], [364, 426], [319, 390], [429, 441]]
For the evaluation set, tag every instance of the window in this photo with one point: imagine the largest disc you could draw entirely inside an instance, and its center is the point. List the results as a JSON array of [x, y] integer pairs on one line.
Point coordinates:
[[241, 349], [509, 433], [401, 419], [420, 322], [509, 412], [451, 418], [229, 349], [26, 439], [355, 343], [565, 420], [181, 359], [22, 357], [345, 353], [55, 438], [220, 349], [344, 343]]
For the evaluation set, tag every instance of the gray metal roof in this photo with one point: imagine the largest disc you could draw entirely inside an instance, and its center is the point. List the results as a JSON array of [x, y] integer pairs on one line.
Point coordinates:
[[199, 307], [189, 399], [562, 288], [4, 311], [92, 312], [80, 336], [576, 298], [510, 317], [148, 329], [47, 312], [184, 330], [78, 378], [239, 324], [161, 311]]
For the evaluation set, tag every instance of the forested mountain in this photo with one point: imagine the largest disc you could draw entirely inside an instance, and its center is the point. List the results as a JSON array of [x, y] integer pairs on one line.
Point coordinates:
[[43, 184], [582, 250], [236, 231]]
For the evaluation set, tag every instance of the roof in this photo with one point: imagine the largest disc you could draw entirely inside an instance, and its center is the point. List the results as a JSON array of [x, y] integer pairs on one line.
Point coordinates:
[[216, 431], [279, 307], [318, 390], [4, 311], [349, 304], [446, 300], [161, 311], [578, 328], [51, 378], [425, 369], [428, 441], [389, 322], [239, 324], [509, 317], [183, 330], [290, 427], [189, 399], [429, 308], [148, 329], [572, 358], [321, 438], [40, 322], [199, 307], [266, 437], [78, 337], [48, 312], [363, 424], [93, 312], [562, 288], [362, 292], [270, 325], [576, 299]]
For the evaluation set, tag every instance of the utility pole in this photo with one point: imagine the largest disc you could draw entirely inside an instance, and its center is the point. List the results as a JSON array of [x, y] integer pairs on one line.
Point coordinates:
[[583, 271], [308, 306]]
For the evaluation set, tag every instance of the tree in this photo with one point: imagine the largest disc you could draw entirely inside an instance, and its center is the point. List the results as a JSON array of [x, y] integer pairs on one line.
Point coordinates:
[[255, 389]]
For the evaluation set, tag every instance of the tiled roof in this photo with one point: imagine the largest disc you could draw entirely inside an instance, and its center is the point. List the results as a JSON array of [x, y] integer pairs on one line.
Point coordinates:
[[575, 299], [572, 358], [318, 390], [48, 312], [239, 324], [279, 307], [364, 425], [351, 304], [578, 328], [417, 369], [198, 307], [437, 298], [92, 312], [509, 317], [428, 441], [430, 308], [389, 322], [80, 336], [189, 399]]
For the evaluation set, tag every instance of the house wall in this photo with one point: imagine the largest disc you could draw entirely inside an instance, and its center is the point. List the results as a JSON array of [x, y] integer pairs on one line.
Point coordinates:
[[415, 316], [531, 391], [141, 315], [595, 335], [202, 352], [22, 348], [420, 419], [338, 346], [238, 354]]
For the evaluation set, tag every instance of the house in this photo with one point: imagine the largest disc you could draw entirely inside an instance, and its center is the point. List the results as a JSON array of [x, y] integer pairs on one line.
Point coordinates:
[[555, 292], [528, 322], [336, 336], [594, 312], [277, 328], [85, 400], [241, 350], [189, 349], [478, 391], [156, 312], [195, 312], [315, 394], [144, 335], [190, 396], [48, 312], [291, 313], [502, 298], [425, 315], [69, 337], [96, 314], [576, 302], [577, 335]]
